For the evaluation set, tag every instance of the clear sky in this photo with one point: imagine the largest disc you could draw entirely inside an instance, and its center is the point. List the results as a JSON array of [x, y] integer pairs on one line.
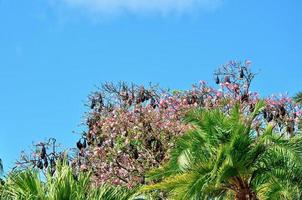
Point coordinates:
[[54, 52]]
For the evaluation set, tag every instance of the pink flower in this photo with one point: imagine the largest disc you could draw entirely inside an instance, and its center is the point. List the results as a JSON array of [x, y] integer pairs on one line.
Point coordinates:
[[219, 94], [83, 167]]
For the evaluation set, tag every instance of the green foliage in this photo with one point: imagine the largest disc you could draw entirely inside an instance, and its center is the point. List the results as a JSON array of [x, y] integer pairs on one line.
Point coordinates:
[[222, 158], [63, 185], [298, 98], [23, 185], [1, 166]]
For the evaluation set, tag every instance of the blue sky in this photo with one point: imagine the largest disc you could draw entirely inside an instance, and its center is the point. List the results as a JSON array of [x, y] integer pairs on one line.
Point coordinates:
[[54, 52]]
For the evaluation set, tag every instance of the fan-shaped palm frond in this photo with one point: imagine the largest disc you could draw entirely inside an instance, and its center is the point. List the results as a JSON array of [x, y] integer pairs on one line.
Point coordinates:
[[64, 184], [108, 192], [23, 185]]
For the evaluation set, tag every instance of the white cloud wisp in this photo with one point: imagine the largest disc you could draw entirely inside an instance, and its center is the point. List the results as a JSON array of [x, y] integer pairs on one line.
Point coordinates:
[[162, 7]]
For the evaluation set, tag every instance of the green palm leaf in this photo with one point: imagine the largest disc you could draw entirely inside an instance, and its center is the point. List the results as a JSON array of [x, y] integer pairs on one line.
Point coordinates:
[[298, 98], [63, 185]]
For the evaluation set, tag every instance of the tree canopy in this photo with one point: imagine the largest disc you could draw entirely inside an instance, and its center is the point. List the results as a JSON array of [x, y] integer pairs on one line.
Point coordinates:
[[145, 142]]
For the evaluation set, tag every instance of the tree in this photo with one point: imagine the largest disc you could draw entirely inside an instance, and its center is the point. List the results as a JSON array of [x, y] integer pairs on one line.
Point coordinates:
[[131, 129], [223, 157]]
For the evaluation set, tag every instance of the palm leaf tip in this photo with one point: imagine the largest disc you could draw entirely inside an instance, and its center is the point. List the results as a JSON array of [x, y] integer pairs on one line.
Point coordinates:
[[298, 98], [1, 166]]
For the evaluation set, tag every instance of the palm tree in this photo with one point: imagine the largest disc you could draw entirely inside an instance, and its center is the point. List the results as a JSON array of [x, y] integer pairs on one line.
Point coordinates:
[[222, 158], [298, 98], [64, 185]]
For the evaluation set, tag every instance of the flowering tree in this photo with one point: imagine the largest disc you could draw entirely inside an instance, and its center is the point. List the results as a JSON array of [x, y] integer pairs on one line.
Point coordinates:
[[131, 128]]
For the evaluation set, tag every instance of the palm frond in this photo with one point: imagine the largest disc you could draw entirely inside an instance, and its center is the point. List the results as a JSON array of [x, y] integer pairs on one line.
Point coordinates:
[[64, 184], [298, 98], [1, 166]]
